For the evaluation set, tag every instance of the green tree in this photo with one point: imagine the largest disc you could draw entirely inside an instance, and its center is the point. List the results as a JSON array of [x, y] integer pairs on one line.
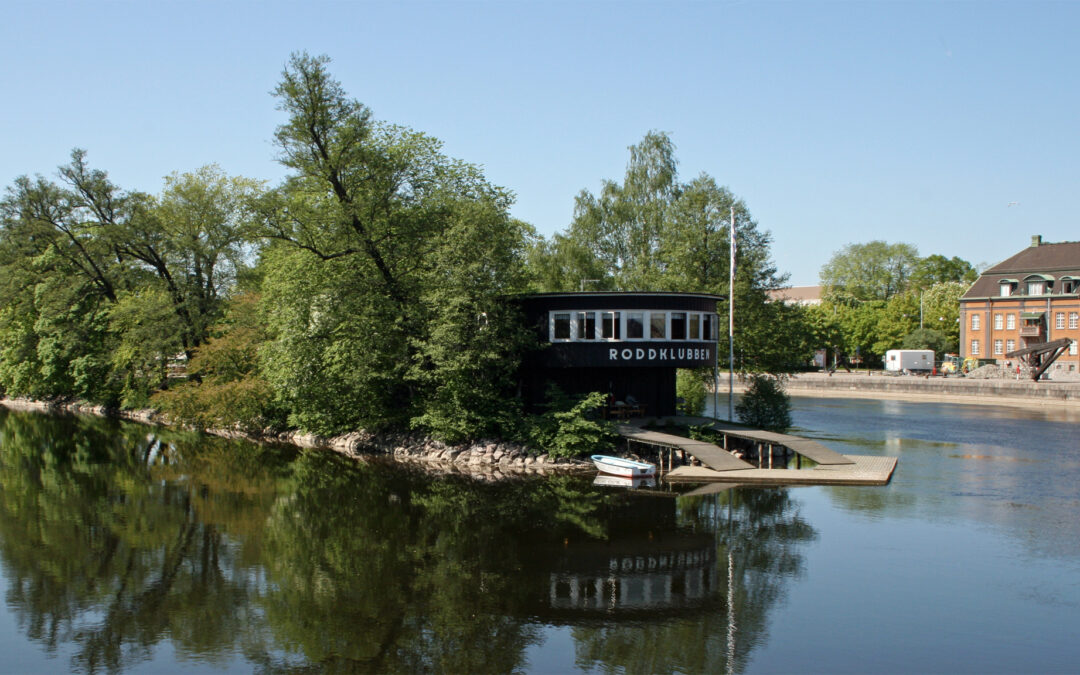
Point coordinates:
[[941, 310], [937, 269], [875, 270], [927, 338], [653, 232], [765, 404], [382, 290], [84, 261], [896, 319]]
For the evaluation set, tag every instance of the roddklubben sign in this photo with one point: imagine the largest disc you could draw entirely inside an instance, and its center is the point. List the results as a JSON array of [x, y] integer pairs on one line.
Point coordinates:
[[624, 354], [661, 354]]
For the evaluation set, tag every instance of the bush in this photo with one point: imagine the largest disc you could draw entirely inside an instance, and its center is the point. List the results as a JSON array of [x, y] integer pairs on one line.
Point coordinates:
[[245, 404], [570, 426], [765, 404], [690, 388]]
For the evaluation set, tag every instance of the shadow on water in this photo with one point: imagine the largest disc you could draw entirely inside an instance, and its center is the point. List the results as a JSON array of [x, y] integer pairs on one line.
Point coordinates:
[[119, 539]]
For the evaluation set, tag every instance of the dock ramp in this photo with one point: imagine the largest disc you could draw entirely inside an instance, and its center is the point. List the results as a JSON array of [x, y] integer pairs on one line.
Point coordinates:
[[712, 456]]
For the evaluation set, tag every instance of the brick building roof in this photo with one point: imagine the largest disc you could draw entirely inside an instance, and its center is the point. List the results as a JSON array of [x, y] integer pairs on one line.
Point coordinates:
[[797, 295], [1054, 260]]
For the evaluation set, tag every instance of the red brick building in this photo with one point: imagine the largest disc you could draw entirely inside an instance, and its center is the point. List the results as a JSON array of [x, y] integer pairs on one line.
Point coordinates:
[[1031, 298]]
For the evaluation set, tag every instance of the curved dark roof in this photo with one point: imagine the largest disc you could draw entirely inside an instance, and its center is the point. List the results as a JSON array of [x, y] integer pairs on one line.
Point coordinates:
[[622, 294], [1054, 260], [615, 300]]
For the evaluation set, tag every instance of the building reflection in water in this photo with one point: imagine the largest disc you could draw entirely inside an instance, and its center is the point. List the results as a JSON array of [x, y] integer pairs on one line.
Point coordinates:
[[678, 573]]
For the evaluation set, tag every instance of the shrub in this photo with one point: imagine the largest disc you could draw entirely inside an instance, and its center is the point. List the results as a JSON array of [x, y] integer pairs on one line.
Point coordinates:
[[570, 427], [690, 388], [765, 404]]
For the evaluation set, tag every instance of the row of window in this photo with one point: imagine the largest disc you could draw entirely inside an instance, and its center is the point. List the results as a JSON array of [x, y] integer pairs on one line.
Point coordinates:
[[587, 326], [1039, 287], [1008, 321], [1010, 345]]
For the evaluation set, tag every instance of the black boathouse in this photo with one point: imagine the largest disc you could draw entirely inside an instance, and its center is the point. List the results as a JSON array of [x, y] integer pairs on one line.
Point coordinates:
[[625, 344]]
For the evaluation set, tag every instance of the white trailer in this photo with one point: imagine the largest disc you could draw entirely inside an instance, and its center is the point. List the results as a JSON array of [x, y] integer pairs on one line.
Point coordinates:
[[909, 361]]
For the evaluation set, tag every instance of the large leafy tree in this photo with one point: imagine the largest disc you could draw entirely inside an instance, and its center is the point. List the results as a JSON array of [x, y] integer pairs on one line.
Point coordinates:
[[875, 270], [937, 269], [654, 232], [102, 285], [390, 258]]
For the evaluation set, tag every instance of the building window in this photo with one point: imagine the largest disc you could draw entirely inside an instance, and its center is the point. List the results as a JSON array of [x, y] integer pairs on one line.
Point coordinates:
[[1006, 289], [708, 330], [1036, 287], [561, 326], [657, 325], [635, 325], [695, 325], [1074, 318], [999, 322], [586, 325], [974, 347], [610, 325], [1059, 320], [1072, 346], [1010, 322], [678, 325], [974, 322], [1010, 346], [997, 347]]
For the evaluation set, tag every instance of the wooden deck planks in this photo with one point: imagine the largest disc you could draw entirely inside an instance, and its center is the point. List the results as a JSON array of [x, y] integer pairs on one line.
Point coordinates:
[[720, 465], [804, 446], [862, 470], [712, 456]]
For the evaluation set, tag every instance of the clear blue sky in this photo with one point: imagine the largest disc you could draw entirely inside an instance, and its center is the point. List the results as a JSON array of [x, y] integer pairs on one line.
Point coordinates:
[[836, 122]]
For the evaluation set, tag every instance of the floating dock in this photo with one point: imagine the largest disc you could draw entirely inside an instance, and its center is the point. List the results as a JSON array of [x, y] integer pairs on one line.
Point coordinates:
[[864, 470], [720, 465]]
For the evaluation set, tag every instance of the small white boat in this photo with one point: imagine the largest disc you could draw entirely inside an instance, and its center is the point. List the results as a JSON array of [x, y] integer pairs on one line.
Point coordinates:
[[617, 466]]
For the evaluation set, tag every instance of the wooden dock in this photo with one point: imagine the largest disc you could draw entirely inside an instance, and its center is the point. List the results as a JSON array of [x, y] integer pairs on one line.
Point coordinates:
[[711, 455], [719, 465], [863, 470]]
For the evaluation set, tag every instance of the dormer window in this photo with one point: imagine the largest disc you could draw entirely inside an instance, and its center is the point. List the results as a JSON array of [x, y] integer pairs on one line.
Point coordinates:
[[1039, 284], [1069, 285], [1007, 287]]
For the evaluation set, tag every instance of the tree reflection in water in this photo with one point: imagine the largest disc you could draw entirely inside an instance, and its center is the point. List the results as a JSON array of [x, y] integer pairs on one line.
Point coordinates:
[[116, 538]]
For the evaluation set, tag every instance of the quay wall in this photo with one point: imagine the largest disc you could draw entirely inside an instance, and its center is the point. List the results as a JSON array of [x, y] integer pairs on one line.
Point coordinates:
[[919, 388]]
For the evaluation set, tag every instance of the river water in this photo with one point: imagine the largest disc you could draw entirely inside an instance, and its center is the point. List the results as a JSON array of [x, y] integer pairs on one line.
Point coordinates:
[[125, 548]]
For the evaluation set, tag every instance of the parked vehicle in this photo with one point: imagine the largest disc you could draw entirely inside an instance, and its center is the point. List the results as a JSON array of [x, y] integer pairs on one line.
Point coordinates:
[[953, 364], [909, 361]]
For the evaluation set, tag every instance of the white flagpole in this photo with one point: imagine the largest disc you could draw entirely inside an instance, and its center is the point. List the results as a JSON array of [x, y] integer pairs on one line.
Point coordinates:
[[731, 322]]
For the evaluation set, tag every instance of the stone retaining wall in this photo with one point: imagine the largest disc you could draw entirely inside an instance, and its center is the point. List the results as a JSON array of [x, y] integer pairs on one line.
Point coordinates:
[[989, 391]]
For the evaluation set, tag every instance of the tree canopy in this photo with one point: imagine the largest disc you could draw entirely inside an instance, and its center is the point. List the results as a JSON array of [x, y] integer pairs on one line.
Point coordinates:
[[875, 270], [654, 232]]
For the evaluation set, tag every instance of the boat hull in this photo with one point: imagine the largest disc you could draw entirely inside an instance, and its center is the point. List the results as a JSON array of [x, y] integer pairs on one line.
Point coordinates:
[[617, 466]]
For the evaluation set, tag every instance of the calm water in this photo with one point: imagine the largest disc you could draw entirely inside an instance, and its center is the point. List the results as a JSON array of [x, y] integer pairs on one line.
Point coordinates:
[[129, 549]]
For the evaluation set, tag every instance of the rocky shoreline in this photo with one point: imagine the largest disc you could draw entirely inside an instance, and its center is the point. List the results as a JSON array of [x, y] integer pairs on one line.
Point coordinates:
[[485, 459]]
